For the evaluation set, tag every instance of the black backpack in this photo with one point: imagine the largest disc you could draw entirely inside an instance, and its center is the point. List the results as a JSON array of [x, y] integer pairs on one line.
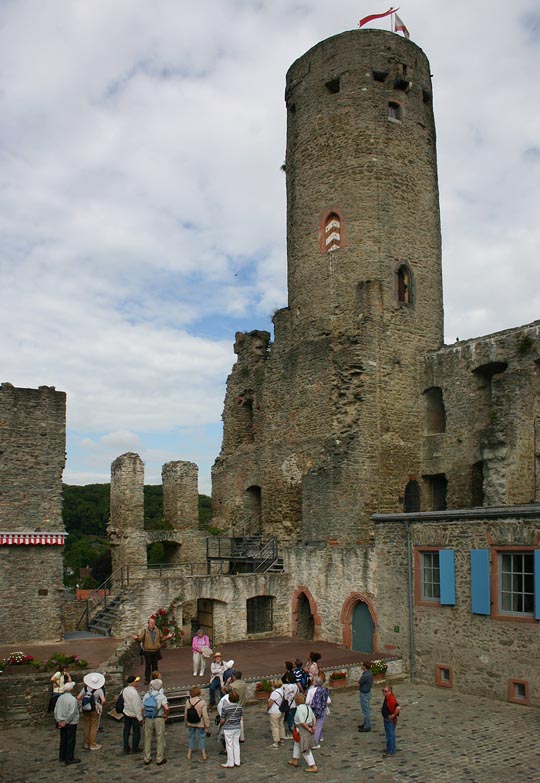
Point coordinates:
[[192, 715], [88, 700], [119, 706]]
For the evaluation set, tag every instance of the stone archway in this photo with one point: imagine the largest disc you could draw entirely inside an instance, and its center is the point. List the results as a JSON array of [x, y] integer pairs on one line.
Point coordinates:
[[350, 611], [305, 622]]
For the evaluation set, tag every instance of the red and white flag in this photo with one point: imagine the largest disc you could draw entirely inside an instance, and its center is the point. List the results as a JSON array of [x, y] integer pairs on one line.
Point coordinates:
[[370, 18], [399, 27]]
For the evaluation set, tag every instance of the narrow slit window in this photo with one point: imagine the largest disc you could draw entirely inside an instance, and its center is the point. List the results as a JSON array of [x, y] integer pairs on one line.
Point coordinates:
[[394, 111], [332, 232]]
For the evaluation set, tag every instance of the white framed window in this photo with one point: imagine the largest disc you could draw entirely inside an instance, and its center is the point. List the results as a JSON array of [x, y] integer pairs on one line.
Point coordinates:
[[431, 576], [516, 583]]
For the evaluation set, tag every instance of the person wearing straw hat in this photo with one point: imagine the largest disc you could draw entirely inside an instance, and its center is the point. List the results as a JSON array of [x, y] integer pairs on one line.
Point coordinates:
[[66, 715], [92, 699], [220, 671]]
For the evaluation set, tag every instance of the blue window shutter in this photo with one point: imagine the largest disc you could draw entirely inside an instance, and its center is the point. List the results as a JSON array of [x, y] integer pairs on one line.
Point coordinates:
[[480, 588], [448, 581], [537, 584]]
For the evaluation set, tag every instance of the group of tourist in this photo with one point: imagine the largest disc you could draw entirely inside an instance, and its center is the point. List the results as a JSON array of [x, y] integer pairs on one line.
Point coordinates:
[[297, 707]]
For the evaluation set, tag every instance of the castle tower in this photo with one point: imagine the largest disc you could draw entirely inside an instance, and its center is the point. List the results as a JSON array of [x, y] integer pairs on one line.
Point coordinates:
[[362, 194], [336, 401]]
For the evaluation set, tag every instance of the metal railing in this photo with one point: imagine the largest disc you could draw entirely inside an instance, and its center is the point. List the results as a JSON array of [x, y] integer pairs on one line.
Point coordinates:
[[103, 595]]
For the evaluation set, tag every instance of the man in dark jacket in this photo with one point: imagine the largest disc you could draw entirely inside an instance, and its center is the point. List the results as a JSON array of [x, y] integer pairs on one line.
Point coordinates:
[[365, 684]]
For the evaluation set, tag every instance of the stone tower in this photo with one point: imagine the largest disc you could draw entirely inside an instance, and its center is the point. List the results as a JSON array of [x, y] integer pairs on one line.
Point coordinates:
[[323, 428]]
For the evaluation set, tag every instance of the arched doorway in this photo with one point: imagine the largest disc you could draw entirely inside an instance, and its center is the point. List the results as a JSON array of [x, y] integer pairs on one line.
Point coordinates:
[[305, 621], [362, 628]]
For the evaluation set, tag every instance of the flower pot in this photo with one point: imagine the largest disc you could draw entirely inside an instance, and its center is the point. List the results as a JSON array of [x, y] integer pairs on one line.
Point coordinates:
[[338, 683], [379, 676], [262, 695]]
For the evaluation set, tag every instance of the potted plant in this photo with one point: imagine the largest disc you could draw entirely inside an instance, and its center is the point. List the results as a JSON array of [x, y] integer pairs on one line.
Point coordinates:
[[263, 689], [338, 679], [378, 669]]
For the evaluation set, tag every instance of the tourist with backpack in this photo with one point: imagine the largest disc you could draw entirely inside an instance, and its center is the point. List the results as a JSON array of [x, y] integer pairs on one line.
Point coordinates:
[[155, 712], [197, 722], [318, 698], [278, 707], [92, 699]]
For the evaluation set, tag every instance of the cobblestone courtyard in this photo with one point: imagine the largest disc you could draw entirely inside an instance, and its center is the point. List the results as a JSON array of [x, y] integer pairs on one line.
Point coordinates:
[[442, 736]]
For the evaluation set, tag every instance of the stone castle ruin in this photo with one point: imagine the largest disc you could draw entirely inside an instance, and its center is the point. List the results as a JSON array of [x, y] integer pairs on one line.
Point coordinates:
[[374, 487]]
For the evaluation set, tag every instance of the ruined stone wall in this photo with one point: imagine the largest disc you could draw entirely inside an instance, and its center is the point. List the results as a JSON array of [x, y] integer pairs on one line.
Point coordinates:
[[126, 525], [490, 390], [181, 495], [129, 539], [483, 652], [228, 594], [32, 442]]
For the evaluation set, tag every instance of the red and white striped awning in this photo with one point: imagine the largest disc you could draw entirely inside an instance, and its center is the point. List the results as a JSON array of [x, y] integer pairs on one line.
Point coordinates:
[[28, 539]]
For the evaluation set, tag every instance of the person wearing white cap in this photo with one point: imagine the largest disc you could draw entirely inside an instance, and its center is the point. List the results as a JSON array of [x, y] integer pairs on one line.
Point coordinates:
[[92, 699], [155, 711], [66, 715]]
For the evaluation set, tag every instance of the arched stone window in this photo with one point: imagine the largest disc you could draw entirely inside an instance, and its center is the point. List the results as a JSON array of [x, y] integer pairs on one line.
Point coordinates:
[[411, 500], [332, 232], [434, 412], [404, 285]]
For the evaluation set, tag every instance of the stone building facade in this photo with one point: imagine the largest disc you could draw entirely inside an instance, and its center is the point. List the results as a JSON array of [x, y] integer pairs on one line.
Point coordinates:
[[32, 445]]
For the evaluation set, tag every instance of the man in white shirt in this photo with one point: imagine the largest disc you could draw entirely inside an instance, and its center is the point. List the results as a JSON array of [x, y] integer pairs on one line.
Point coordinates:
[[133, 717]]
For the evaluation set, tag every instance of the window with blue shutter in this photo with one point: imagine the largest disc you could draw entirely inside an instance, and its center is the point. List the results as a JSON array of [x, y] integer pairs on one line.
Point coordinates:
[[447, 576], [480, 584]]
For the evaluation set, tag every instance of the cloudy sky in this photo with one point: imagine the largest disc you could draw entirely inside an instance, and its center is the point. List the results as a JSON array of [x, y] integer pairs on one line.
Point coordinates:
[[142, 214]]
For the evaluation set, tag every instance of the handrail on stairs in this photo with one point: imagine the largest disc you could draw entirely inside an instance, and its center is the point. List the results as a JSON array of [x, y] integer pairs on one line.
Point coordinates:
[[109, 589]]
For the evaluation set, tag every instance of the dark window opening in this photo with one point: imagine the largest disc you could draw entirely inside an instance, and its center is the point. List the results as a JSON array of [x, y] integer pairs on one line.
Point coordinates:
[[426, 96], [477, 484], [404, 285], [259, 614], [487, 371], [437, 486], [435, 414], [332, 86], [253, 509], [402, 84], [380, 76], [394, 111], [291, 107], [411, 501]]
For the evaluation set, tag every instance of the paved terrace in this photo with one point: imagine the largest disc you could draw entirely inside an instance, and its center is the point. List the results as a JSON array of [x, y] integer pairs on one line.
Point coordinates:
[[254, 658], [442, 736]]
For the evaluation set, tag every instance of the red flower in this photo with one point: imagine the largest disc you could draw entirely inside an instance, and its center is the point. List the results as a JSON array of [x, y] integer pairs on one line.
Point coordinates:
[[165, 630], [162, 612]]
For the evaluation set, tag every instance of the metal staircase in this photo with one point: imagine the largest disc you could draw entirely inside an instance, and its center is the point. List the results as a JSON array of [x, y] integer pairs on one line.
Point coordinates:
[[244, 554], [102, 605]]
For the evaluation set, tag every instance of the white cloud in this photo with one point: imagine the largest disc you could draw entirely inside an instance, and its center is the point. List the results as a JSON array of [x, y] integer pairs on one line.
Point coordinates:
[[142, 206]]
